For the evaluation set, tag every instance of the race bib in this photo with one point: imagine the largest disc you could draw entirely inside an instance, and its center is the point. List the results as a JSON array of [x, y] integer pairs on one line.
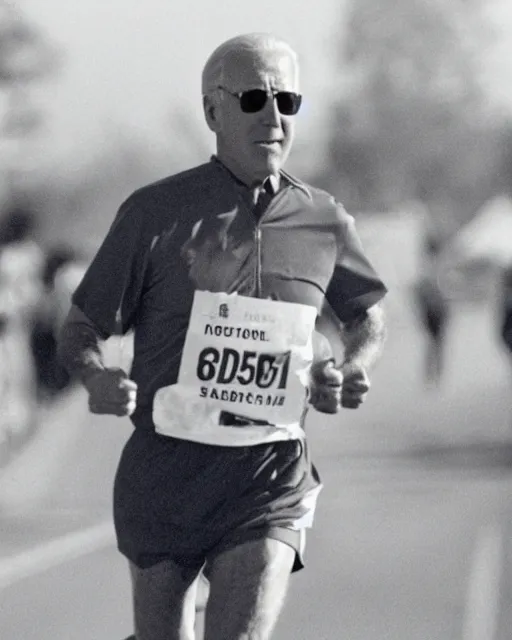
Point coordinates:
[[245, 356]]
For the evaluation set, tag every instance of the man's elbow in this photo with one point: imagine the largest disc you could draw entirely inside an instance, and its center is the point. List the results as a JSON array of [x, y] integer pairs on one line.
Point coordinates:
[[77, 332], [65, 339], [377, 318], [371, 319]]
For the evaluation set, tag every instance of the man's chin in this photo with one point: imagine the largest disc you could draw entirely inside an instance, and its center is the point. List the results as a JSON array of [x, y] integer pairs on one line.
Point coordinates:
[[271, 165]]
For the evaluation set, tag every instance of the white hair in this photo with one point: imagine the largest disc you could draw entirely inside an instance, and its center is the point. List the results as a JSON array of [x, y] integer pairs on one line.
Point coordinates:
[[252, 43]]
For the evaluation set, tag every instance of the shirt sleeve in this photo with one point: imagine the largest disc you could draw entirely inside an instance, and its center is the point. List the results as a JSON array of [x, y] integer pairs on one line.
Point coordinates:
[[355, 285], [110, 290]]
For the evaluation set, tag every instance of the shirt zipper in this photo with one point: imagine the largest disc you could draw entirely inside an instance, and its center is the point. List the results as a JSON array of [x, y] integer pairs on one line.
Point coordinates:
[[257, 238]]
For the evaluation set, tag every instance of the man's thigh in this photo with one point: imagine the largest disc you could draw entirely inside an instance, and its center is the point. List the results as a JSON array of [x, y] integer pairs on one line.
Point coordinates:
[[248, 584], [164, 598]]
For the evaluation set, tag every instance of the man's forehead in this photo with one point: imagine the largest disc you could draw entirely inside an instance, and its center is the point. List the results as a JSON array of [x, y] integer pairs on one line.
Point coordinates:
[[254, 68]]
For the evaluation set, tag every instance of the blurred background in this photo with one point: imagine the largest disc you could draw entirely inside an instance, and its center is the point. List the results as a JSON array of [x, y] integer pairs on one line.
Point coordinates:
[[407, 120]]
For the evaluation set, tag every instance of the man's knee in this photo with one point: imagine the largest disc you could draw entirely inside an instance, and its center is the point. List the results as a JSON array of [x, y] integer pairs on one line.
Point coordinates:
[[253, 579], [164, 601], [253, 560]]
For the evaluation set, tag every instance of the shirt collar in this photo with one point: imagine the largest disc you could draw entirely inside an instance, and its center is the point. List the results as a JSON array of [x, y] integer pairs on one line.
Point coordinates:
[[276, 182], [272, 184]]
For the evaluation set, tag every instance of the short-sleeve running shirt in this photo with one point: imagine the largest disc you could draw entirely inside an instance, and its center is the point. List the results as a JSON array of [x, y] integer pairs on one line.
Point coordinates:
[[197, 230]]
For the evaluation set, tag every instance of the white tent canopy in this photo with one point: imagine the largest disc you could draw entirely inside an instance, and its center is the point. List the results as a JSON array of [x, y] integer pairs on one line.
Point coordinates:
[[487, 236]]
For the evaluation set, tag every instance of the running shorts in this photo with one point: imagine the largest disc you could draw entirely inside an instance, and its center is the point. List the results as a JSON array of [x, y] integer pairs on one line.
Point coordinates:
[[186, 501]]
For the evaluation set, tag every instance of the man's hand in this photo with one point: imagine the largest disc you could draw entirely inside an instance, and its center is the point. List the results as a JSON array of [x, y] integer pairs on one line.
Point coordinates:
[[325, 387], [355, 386], [111, 392]]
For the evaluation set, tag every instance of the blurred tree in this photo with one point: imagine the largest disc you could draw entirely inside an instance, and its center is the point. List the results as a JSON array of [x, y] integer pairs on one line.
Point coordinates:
[[503, 140], [411, 121], [24, 53], [189, 137], [26, 57]]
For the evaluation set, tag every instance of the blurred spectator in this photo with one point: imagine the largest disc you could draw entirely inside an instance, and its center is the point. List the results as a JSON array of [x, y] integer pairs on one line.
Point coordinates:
[[61, 273], [433, 309], [21, 261], [505, 311], [35, 295], [505, 301]]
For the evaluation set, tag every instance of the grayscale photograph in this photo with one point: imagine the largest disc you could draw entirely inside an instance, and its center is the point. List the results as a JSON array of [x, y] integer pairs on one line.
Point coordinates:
[[255, 320]]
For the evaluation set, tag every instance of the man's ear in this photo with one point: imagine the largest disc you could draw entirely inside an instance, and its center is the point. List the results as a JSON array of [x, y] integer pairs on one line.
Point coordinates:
[[211, 112]]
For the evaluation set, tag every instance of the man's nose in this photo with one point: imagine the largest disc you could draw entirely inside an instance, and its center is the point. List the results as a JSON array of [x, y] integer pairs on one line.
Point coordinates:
[[271, 112]]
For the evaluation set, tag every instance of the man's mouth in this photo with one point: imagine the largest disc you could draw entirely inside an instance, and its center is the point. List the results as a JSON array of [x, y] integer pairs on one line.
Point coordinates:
[[269, 143]]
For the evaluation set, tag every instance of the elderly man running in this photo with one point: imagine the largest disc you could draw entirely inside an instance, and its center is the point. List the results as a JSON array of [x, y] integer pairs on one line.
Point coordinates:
[[225, 273]]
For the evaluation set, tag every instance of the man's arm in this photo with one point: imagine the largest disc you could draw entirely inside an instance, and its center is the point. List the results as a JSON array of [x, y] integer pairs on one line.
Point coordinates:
[[79, 345], [363, 337], [351, 320], [79, 349], [358, 343]]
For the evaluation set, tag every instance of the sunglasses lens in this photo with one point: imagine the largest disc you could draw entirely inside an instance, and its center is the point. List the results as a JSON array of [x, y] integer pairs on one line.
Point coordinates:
[[288, 102], [253, 100]]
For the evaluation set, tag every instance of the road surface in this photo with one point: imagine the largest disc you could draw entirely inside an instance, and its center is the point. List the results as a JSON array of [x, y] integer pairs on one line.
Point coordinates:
[[411, 540]]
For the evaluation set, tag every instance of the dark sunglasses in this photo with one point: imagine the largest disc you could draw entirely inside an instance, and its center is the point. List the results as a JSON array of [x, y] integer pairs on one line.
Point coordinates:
[[254, 100]]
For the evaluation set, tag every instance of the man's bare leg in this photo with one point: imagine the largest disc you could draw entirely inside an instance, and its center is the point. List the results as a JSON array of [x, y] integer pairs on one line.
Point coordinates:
[[248, 585], [164, 598]]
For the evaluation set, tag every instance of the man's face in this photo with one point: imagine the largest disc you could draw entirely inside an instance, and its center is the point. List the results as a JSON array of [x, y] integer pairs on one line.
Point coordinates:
[[255, 145]]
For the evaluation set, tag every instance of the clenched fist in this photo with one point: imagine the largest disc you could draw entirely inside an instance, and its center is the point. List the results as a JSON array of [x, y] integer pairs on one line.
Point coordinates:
[[325, 386], [111, 392], [355, 385], [331, 388], [324, 379]]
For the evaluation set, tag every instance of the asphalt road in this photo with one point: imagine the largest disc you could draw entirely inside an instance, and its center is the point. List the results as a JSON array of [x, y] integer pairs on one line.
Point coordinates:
[[411, 540]]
